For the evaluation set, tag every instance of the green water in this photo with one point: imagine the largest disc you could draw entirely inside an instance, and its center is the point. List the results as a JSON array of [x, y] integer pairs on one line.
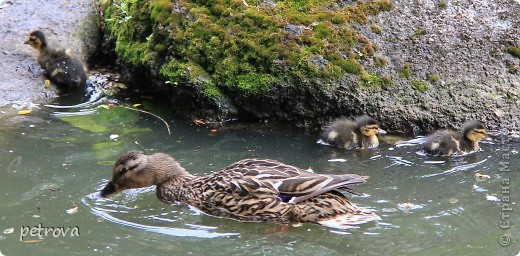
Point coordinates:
[[50, 165]]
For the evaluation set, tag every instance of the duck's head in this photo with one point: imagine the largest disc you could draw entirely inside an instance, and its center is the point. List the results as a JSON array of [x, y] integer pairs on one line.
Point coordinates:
[[368, 126], [134, 169], [474, 131], [37, 40]]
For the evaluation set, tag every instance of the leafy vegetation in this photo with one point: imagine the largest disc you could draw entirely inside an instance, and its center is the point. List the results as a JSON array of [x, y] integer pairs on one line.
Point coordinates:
[[235, 46]]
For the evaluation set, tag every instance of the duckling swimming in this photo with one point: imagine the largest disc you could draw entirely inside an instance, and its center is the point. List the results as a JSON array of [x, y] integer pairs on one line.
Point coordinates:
[[61, 66], [446, 142], [251, 190], [352, 134]]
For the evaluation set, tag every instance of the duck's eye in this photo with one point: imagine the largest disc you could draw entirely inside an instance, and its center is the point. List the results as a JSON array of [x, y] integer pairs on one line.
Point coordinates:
[[123, 171]]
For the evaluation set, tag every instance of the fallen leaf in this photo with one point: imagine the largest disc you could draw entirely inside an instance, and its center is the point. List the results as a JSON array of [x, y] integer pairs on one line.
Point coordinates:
[[198, 122], [24, 112], [47, 83], [72, 210], [9, 231], [137, 105]]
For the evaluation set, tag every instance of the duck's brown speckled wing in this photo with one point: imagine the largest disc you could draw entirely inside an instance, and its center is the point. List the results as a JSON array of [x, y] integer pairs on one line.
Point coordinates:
[[292, 184]]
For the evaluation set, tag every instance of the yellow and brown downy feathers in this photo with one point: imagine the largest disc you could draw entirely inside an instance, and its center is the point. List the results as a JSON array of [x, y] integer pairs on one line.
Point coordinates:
[[252, 190], [61, 66], [359, 133], [447, 143]]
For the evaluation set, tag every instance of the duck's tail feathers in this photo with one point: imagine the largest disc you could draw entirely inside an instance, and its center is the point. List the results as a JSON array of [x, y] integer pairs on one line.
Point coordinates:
[[350, 220]]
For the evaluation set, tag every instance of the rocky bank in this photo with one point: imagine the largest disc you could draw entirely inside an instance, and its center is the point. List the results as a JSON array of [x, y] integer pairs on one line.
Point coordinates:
[[435, 64], [66, 24]]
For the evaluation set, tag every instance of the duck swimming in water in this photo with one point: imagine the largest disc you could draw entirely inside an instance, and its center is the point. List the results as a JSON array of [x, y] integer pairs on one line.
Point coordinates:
[[61, 66], [447, 143], [250, 190], [359, 133]]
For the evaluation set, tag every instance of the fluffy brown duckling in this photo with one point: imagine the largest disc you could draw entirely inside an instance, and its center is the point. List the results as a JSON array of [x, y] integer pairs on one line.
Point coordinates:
[[251, 190], [359, 133], [447, 143], [61, 66]]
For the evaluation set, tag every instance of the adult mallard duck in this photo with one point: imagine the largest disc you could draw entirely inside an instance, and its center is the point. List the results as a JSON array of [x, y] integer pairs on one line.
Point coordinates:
[[359, 133], [61, 66], [252, 190], [446, 142]]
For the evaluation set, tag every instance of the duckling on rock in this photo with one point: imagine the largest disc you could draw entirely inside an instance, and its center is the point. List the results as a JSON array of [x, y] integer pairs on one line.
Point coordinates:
[[61, 66], [359, 133], [447, 143], [251, 190]]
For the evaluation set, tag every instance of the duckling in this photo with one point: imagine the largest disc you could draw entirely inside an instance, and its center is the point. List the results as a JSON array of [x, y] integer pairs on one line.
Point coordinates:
[[446, 142], [250, 190], [359, 133], [61, 66]]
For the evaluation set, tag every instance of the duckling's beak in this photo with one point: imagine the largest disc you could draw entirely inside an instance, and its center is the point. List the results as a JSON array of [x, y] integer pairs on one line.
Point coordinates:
[[109, 190], [380, 131]]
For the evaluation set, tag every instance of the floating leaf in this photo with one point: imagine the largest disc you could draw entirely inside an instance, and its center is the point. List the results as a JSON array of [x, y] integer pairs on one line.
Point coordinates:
[[492, 198], [213, 130], [8, 231], [114, 136], [24, 112], [32, 241], [198, 122], [72, 210], [137, 105], [453, 200], [481, 177]]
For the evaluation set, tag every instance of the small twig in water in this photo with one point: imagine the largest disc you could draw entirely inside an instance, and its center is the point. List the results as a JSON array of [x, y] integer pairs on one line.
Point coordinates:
[[158, 117]]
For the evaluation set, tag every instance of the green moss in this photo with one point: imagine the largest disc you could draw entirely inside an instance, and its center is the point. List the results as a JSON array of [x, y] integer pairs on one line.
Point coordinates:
[[404, 72], [380, 61], [443, 5], [376, 29], [159, 48], [160, 11], [420, 85], [241, 47], [372, 80], [434, 78], [515, 51], [419, 32]]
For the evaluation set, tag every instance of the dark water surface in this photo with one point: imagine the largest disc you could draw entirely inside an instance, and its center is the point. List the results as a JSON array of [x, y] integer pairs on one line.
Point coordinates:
[[52, 167]]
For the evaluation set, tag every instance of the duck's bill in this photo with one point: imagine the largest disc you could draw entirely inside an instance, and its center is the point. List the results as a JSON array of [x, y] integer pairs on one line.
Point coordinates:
[[109, 190], [380, 131]]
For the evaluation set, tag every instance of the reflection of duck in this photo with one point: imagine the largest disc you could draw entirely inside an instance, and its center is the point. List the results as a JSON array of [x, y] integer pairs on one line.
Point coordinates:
[[446, 142], [348, 134], [252, 190], [61, 66]]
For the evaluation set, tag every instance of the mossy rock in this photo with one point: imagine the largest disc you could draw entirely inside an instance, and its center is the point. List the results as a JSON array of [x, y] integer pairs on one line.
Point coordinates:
[[229, 45]]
